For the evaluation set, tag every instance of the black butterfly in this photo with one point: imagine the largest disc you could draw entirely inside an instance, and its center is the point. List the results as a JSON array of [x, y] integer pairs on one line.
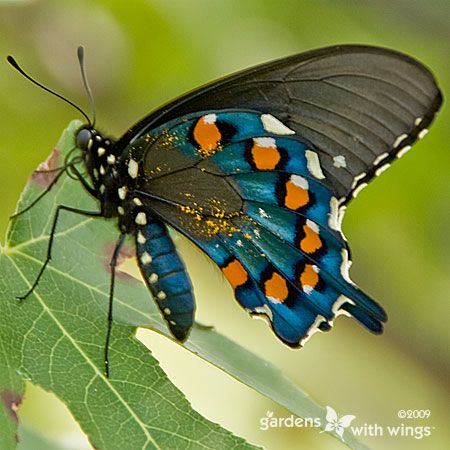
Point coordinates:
[[257, 170]]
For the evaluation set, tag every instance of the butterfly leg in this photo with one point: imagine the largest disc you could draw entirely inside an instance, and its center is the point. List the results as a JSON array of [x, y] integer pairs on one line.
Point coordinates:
[[41, 195], [48, 258], [113, 265]]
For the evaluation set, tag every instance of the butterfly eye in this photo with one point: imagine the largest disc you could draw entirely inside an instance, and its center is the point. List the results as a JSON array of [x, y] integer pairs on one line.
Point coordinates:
[[83, 138]]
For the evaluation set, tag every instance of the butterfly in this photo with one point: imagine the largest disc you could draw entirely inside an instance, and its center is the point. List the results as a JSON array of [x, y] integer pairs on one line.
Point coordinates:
[[257, 170]]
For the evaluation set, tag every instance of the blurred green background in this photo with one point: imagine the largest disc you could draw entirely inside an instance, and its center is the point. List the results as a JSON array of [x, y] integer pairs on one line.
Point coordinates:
[[143, 53]]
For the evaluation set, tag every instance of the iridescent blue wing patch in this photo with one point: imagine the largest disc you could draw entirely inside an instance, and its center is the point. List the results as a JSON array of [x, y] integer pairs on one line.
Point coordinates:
[[240, 185]]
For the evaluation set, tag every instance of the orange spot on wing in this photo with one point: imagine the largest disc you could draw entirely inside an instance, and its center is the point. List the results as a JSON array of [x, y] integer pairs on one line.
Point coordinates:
[[265, 158], [309, 276], [276, 287], [235, 273], [311, 242], [296, 196], [207, 135]]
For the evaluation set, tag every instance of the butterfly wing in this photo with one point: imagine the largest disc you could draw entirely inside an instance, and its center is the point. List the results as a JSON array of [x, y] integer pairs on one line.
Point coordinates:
[[249, 198], [358, 107]]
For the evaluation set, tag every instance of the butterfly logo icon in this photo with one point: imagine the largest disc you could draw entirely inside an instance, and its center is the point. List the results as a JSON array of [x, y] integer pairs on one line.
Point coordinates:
[[337, 424]]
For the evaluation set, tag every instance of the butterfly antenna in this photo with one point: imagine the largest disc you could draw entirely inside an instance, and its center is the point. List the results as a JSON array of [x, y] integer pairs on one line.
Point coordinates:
[[16, 66], [80, 52]]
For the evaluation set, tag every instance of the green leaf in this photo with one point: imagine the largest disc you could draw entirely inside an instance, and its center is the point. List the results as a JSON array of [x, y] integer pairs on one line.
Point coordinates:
[[56, 336]]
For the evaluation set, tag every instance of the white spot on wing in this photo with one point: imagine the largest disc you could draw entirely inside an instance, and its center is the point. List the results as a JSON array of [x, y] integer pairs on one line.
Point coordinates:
[[133, 168], [333, 216], [339, 161], [313, 163], [399, 140], [300, 181], [210, 118], [272, 125], [265, 142], [417, 121], [345, 266], [358, 190], [312, 225], [110, 159], [403, 151], [263, 213], [381, 169], [264, 309], [380, 158], [422, 134]]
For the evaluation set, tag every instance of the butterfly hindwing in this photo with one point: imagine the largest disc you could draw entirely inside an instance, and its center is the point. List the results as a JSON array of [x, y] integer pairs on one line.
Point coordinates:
[[260, 214]]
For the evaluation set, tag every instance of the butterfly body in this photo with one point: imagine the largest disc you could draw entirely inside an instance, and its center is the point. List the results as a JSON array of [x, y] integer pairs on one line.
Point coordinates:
[[257, 170]]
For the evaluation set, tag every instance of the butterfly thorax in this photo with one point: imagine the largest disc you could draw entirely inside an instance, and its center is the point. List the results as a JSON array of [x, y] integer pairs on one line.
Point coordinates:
[[110, 178]]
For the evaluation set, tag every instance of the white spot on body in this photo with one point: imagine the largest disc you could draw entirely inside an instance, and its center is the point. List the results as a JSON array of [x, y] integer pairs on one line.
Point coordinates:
[[153, 278], [141, 238], [122, 191], [339, 161], [300, 181], [102, 189], [89, 144], [102, 170], [133, 168], [95, 173], [313, 163], [267, 142], [101, 151], [98, 138], [110, 159], [146, 258], [417, 121], [141, 218], [120, 210], [272, 125]]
